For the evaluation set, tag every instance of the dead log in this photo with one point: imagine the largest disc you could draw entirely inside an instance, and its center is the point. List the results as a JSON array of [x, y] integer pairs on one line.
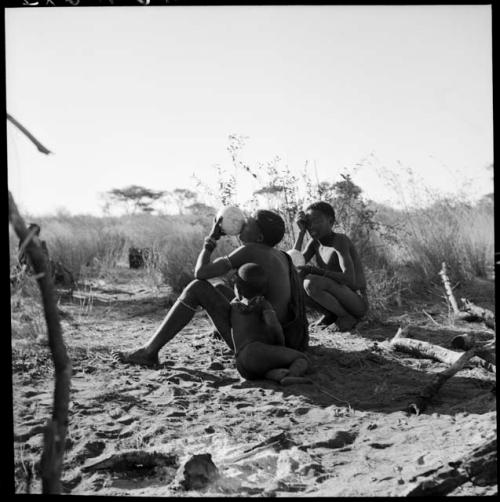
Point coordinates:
[[488, 354], [479, 467], [423, 349], [430, 390], [469, 311], [448, 289], [464, 342], [55, 431], [419, 348], [130, 459], [472, 312], [484, 349]]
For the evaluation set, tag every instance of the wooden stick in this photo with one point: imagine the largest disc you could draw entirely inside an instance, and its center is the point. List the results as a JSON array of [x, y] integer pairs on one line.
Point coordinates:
[[55, 431], [447, 288], [438, 380], [30, 136]]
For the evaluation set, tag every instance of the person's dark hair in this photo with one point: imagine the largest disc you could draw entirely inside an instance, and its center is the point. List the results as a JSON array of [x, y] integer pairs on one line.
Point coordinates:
[[36, 226], [271, 225], [251, 280], [323, 207]]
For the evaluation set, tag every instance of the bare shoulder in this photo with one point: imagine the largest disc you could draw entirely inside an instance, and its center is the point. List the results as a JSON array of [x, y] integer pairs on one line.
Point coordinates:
[[241, 255], [342, 242]]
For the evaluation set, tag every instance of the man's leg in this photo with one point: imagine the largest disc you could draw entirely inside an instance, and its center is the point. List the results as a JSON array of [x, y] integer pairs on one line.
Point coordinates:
[[197, 293], [337, 298]]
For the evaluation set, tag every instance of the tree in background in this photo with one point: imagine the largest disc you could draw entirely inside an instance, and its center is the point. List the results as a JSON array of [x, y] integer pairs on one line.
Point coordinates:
[[201, 209], [134, 198], [182, 198]]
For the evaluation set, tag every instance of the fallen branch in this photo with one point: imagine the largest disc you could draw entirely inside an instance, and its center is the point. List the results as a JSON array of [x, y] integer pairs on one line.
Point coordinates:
[[423, 349], [448, 289], [428, 350], [438, 380], [472, 312], [129, 460], [55, 431], [30, 136], [469, 311], [479, 467]]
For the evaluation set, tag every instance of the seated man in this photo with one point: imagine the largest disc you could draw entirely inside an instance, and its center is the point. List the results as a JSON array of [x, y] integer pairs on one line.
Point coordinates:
[[337, 286], [260, 233], [257, 333]]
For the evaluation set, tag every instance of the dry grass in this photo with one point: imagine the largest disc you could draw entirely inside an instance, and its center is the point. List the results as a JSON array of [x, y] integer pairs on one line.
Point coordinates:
[[451, 231]]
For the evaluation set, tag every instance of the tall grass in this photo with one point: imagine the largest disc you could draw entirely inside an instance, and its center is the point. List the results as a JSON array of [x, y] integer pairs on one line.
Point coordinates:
[[402, 249], [456, 232], [87, 245]]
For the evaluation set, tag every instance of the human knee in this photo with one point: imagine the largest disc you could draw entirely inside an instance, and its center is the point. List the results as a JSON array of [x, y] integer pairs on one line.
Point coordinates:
[[312, 285], [193, 290]]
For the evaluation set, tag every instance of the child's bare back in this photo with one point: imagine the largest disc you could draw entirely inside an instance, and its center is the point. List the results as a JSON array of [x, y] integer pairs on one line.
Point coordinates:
[[258, 335]]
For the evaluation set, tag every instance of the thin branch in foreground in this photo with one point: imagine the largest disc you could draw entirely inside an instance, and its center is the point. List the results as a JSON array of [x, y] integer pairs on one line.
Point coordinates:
[[30, 136], [55, 431]]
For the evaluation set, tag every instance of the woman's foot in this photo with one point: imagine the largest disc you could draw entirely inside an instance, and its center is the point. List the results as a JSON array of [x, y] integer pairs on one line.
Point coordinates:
[[277, 374], [324, 320], [298, 367], [346, 323], [291, 380], [139, 356]]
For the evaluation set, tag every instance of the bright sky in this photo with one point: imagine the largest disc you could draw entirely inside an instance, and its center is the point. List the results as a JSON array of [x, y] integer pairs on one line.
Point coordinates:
[[149, 95]]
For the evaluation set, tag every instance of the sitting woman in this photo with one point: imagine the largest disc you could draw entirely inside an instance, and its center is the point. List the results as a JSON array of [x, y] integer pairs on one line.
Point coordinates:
[[337, 285]]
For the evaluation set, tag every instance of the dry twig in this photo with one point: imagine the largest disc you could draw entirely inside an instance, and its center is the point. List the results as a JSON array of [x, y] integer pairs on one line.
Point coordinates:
[[55, 431]]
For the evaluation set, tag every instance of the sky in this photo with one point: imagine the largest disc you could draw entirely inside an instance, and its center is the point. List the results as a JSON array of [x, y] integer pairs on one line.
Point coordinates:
[[149, 96]]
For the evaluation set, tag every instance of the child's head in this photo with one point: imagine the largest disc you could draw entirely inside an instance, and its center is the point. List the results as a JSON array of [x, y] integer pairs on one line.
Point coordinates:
[[321, 218], [251, 281]]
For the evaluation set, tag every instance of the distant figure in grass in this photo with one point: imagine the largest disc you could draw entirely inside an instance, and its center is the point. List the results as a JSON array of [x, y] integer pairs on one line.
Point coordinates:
[[257, 334], [337, 285], [260, 233]]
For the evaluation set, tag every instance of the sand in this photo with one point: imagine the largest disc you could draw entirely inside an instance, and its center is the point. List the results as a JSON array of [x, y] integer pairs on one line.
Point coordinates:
[[347, 434]]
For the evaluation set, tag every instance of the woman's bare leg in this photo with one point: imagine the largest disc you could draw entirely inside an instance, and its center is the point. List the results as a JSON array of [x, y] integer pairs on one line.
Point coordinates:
[[337, 298]]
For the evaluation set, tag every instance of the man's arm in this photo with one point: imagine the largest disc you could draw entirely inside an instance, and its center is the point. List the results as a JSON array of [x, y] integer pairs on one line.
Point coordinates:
[[310, 250], [301, 222], [205, 269], [220, 266]]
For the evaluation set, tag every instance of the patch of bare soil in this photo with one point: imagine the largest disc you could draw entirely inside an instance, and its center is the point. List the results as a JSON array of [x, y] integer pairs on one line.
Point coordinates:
[[131, 429]]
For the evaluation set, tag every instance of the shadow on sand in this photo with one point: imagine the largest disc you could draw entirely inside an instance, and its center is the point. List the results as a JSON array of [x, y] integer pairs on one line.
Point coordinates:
[[371, 381]]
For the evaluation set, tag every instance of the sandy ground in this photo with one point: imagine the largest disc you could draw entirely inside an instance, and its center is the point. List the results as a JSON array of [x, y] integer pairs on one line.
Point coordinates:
[[347, 434]]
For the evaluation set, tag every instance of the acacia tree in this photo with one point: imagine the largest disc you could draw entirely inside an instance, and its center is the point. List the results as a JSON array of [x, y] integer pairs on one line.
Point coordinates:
[[182, 198], [134, 198]]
